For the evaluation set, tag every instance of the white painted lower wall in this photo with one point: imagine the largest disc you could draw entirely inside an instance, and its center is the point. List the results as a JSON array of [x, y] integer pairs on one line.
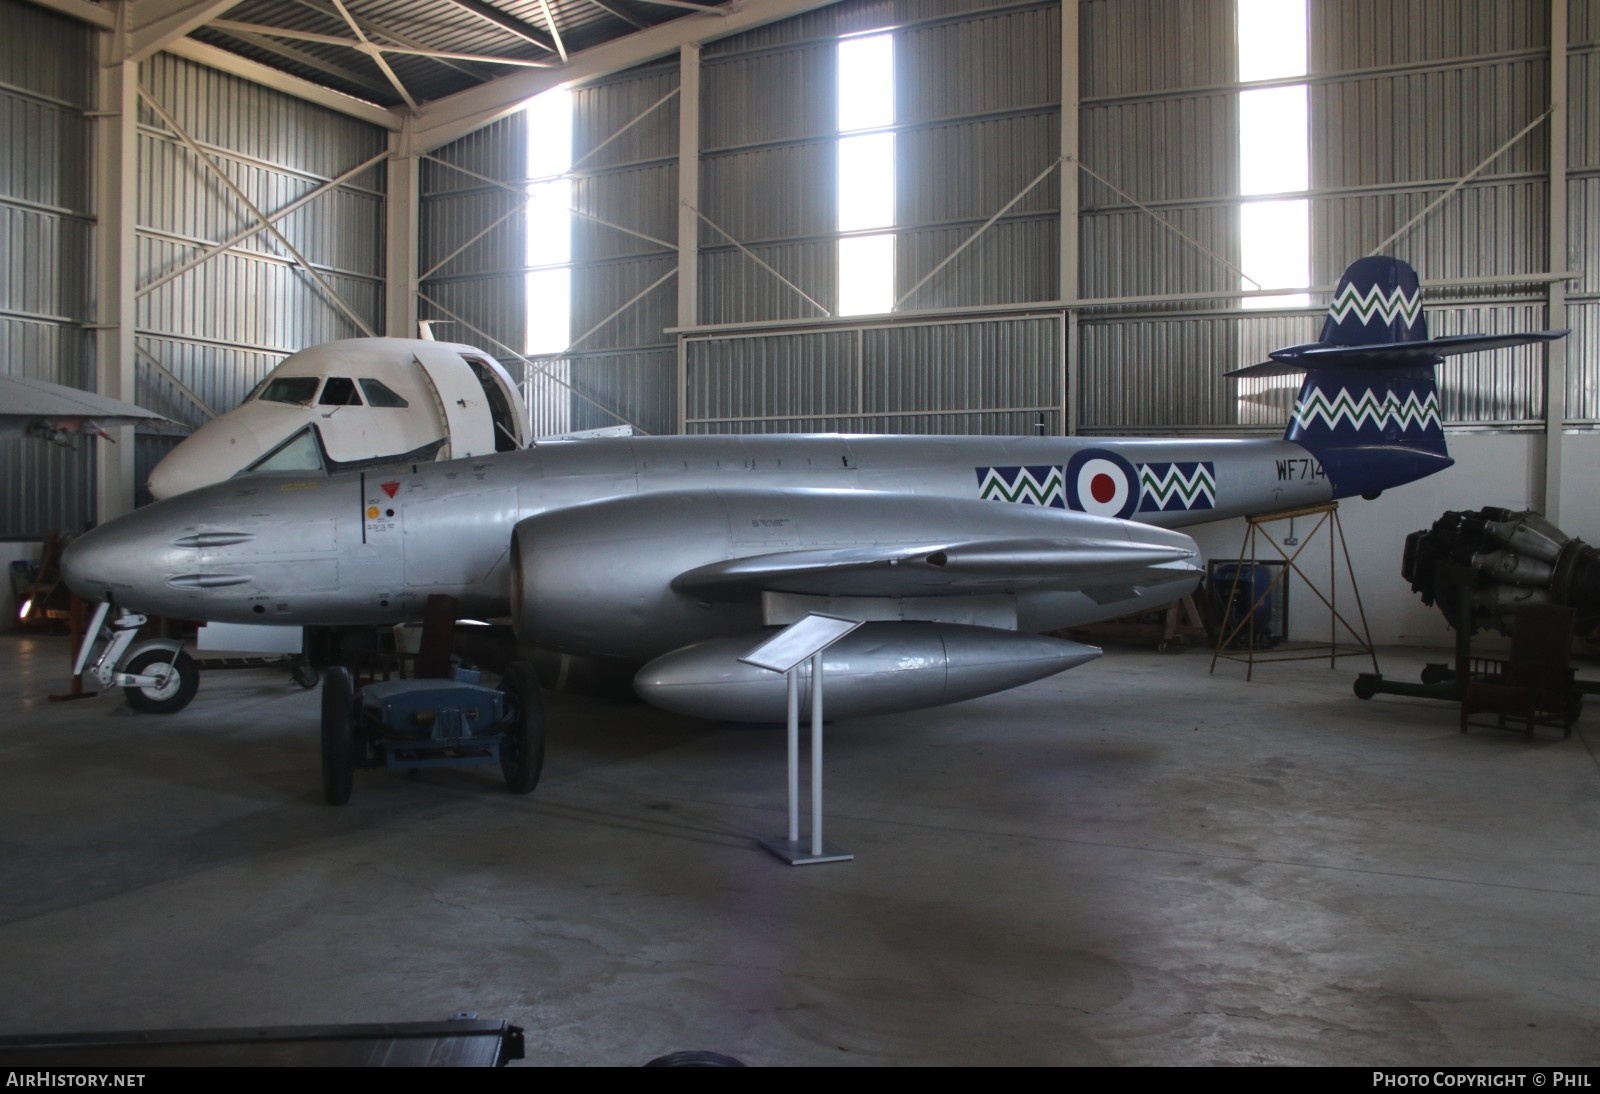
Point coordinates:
[[1492, 469]]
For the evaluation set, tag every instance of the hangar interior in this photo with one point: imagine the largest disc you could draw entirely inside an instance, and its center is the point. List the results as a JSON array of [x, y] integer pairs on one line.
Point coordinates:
[[1067, 238]]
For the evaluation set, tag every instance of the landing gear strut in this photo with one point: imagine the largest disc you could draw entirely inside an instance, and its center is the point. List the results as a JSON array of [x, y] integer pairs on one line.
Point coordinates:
[[157, 675]]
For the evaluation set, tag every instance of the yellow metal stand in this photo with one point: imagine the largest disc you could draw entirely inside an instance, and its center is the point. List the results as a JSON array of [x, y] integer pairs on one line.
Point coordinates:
[[1361, 641]]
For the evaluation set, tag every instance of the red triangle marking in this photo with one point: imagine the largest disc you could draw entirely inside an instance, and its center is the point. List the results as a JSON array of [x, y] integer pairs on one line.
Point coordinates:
[[391, 488]]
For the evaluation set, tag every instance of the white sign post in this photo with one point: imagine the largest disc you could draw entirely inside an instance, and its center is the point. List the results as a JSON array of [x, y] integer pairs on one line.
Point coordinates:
[[785, 652]]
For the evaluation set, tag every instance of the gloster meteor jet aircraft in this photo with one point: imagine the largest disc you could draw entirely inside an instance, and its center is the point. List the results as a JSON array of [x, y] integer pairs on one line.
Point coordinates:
[[677, 553]]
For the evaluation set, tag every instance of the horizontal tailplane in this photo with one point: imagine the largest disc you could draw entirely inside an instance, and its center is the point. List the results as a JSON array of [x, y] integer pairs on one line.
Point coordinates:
[[1368, 408]]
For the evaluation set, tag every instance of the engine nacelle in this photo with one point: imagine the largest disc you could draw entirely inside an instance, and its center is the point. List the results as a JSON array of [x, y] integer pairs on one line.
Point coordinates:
[[879, 668], [596, 579]]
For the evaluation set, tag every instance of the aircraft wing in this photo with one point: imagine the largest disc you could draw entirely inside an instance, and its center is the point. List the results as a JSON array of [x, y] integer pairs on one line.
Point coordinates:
[[933, 569], [678, 564], [41, 409]]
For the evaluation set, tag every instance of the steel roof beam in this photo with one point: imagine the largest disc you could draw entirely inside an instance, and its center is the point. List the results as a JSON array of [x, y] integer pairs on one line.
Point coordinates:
[[620, 12], [452, 117], [159, 23], [377, 56], [82, 10], [256, 32], [301, 57], [508, 23], [267, 76], [555, 31], [395, 36], [682, 4]]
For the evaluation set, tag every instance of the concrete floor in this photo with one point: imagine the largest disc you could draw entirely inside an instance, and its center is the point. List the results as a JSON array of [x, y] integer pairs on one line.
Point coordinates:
[[1132, 863]]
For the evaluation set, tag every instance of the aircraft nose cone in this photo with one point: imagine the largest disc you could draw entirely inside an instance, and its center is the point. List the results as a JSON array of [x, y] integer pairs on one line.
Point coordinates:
[[215, 451], [124, 560], [87, 565]]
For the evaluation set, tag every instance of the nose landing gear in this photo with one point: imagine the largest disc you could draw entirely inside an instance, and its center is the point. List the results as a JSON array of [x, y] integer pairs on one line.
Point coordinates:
[[157, 676]]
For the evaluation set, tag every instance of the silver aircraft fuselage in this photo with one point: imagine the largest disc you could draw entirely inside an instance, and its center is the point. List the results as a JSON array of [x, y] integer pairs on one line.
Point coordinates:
[[369, 547]]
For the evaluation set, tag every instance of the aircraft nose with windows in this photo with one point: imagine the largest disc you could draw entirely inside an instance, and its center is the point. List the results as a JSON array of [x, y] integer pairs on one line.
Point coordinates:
[[350, 404]]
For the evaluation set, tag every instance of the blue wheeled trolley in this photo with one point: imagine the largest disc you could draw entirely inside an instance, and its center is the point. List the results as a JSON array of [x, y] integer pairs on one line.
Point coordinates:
[[401, 724]]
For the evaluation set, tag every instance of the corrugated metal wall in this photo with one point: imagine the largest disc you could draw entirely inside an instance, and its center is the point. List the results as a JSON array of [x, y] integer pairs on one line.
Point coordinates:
[[1583, 211], [1159, 129], [219, 328], [625, 188], [474, 278], [46, 238], [767, 169], [969, 145], [1406, 97], [977, 103], [975, 376]]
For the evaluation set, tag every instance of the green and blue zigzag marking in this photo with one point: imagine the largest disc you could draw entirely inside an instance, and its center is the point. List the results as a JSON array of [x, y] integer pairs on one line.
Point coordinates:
[[1043, 485], [1375, 302], [1185, 485], [1369, 409]]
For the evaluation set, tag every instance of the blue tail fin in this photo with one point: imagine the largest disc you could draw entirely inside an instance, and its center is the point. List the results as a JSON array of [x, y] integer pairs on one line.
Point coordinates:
[[1369, 406]]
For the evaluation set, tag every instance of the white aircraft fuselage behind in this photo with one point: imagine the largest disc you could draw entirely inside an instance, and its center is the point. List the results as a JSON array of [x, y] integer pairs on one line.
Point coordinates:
[[352, 404]]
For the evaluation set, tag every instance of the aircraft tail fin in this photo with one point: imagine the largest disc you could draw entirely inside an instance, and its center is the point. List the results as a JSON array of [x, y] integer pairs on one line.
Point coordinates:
[[1368, 408]]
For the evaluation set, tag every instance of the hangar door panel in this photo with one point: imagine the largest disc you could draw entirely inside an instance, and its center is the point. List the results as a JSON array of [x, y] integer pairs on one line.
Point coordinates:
[[987, 376]]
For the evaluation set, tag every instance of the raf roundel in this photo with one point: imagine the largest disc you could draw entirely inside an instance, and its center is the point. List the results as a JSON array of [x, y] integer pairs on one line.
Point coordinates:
[[1102, 483]]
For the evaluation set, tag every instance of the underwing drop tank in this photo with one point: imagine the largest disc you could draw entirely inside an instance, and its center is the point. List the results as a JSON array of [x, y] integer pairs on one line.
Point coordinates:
[[880, 668]]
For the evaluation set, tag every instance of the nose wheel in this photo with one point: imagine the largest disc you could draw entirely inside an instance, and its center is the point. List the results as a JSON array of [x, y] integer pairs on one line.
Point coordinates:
[[174, 679]]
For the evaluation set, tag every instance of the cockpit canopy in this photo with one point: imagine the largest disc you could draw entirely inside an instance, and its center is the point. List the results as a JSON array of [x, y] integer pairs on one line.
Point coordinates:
[[328, 391]]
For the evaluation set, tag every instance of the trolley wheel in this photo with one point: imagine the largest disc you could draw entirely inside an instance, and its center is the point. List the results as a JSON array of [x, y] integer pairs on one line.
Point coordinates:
[[522, 751], [178, 680], [1437, 673], [1365, 686], [339, 737], [305, 675]]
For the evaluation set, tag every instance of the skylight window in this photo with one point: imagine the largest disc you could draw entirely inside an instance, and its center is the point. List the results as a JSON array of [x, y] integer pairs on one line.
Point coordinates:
[[866, 175], [549, 220], [1274, 151]]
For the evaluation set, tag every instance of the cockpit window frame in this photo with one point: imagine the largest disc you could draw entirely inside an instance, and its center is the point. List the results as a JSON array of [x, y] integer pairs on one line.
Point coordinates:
[[385, 398], [308, 433], [336, 385], [270, 385]]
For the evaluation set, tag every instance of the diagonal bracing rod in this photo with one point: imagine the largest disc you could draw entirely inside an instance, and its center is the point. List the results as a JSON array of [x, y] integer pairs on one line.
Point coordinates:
[[239, 195], [277, 214]]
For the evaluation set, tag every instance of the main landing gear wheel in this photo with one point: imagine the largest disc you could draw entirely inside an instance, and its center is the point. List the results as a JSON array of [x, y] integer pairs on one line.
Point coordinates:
[[339, 738], [178, 678], [522, 751]]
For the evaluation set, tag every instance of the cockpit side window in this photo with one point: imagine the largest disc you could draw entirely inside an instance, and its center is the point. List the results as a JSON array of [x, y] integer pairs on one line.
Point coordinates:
[[379, 394], [300, 452], [291, 389], [339, 391]]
